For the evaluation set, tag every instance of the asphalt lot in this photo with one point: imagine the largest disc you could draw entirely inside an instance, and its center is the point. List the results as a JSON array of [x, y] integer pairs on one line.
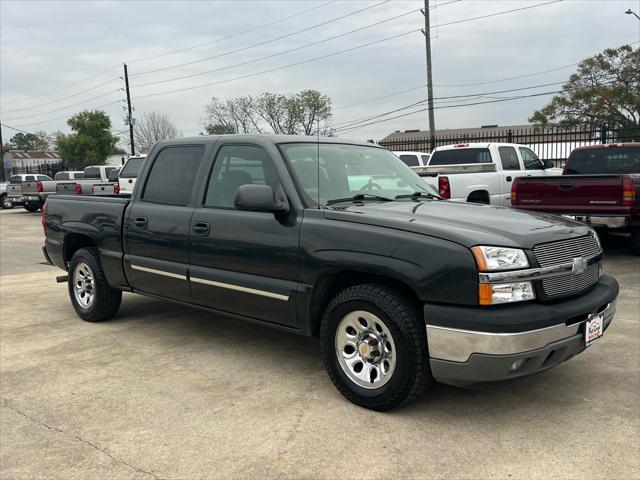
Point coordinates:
[[171, 393]]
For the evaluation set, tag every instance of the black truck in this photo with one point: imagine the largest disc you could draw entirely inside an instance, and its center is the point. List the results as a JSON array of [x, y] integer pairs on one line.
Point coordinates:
[[341, 241]]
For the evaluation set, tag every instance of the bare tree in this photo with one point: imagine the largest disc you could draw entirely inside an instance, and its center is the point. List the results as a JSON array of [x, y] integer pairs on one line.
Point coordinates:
[[41, 142], [293, 114], [152, 128]]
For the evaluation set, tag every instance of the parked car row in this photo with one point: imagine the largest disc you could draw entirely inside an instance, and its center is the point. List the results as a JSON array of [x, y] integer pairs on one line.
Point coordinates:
[[599, 185], [31, 191]]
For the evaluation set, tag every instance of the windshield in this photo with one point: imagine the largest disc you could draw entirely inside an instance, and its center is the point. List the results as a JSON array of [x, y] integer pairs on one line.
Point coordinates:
[[349, 170], [605, 160], [131, 168]]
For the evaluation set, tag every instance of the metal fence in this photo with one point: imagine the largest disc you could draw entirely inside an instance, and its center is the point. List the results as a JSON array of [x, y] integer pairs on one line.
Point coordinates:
[[42, 168], [552, 143]]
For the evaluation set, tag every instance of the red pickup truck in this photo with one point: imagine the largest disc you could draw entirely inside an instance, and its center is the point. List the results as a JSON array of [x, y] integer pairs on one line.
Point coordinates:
[[600, 186]]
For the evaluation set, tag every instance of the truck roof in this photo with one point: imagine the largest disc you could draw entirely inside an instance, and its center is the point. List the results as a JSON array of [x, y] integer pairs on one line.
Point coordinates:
[[607, 145], [264, 139], [477, 145]]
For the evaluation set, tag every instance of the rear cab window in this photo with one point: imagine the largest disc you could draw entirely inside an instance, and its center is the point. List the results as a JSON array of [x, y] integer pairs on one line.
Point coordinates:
[[460, 156], [173, 175], [92, 173], [613, 160], [61, 176]]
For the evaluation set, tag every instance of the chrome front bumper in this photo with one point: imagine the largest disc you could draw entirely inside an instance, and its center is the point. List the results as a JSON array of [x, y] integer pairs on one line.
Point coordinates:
[[602, 221], [464, 356]]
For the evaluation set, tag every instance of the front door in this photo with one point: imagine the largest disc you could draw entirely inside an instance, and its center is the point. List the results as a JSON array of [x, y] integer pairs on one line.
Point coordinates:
[[244, 263], [533, 166], [158, 224]]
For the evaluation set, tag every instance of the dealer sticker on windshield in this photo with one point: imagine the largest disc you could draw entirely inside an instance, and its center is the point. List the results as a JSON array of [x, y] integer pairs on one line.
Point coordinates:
[[593, 329]]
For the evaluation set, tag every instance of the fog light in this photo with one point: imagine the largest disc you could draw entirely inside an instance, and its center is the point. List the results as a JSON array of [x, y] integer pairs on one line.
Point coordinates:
[[495, 293], [518, 364]]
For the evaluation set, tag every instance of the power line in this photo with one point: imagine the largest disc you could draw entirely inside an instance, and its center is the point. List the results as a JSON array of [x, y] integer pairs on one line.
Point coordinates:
[[62, 99], [66, 106], [65, 87], [230, 52], [350, 129], [282, 52], [16, 129], [302, 62], [41, 122], [458, 96], [234, 35]]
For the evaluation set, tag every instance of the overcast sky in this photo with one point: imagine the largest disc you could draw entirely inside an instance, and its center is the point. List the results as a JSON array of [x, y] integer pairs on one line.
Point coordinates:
[[49, 45]]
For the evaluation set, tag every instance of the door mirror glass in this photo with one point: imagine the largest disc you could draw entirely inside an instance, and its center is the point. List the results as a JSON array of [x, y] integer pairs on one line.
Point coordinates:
[[260, 198]]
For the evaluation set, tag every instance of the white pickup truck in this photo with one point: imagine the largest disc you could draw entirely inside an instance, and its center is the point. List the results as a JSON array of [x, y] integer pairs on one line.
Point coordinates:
[[481, 172], [413, 159]]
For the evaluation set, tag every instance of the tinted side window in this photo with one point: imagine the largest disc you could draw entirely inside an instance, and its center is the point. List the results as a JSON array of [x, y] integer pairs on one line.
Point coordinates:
[[530, 160], [92, 172], [30, 178], [173, 175], [509, 158], [43, 177], [61, 176], [15, 179], [410, 160], [78, 175], [131, 168], [238, 165]]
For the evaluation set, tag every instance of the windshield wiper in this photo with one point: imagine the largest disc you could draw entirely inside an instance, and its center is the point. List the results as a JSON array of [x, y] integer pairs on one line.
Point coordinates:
[[417, 195], [360, 197]]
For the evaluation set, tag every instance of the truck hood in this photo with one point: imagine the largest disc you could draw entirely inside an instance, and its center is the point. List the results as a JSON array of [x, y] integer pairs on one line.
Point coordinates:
[[465, 223]]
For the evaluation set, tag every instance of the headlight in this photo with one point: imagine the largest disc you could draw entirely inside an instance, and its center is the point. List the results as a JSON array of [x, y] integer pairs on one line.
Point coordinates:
[[595, 235], [499, 258], [496, 293]]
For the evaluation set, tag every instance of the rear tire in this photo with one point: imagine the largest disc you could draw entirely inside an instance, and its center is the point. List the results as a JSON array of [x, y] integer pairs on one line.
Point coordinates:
[[93, 299], [5, 202], [32, 207], [392, 368], [635, 240]]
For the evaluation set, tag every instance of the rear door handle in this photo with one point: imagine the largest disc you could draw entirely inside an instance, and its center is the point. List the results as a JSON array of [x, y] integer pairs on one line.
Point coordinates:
[[140, 222], [509, 179], [566, 186], [201, 229]]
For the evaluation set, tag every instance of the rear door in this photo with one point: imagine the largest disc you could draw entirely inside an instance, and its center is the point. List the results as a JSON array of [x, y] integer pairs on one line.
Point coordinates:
[[242, 262], [511, 169], [157, 226]]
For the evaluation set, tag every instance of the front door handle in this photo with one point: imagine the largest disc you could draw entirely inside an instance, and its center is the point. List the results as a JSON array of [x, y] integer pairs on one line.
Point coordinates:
[[509, 179], [201, 229], [141, 222], [566, 186]]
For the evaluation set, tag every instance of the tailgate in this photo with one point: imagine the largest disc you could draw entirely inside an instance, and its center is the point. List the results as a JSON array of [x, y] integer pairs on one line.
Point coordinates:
[[569, 191], [14, 190], [29, 188], [66, 188], [104, 189]]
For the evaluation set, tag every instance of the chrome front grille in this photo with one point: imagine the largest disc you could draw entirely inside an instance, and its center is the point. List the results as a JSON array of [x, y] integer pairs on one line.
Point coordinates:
[[565, 251]]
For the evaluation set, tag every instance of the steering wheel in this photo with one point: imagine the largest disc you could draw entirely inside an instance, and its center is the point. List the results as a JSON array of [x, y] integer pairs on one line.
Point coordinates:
[[370, 185]]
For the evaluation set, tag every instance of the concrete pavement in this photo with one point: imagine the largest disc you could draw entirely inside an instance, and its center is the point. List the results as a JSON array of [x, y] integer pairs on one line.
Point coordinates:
[[168, 392]]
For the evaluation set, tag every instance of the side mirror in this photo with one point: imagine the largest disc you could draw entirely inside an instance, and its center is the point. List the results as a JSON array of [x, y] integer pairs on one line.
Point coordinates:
[[261, 198], [549, 164]]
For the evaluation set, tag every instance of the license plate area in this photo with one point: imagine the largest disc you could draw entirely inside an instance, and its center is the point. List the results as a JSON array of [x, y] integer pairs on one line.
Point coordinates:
[[593, 329]]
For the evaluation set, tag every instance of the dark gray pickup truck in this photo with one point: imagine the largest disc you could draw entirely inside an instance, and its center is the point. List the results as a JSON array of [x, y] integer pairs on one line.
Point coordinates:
[[342, 241]]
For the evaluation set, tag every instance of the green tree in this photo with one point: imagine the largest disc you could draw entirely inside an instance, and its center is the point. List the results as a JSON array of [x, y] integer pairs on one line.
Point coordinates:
[[91, 141], [23, 141], [605, 90]]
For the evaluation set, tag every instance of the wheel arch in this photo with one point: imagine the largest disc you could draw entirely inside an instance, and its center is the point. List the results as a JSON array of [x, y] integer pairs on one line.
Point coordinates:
[[479, 196], [74, 242], [329, 284]]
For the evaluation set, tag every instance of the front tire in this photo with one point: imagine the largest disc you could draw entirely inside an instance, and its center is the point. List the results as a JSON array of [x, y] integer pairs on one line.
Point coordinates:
[[374, 347], [635, 240], [93, 299], [5, 202]]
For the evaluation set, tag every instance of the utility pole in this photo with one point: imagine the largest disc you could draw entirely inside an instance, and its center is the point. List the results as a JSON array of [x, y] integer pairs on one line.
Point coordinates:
[[129, 116], [427, 42], [2, 155]]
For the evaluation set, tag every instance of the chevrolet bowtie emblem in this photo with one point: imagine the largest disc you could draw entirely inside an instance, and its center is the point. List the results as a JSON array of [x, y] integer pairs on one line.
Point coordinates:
[[579, 265]]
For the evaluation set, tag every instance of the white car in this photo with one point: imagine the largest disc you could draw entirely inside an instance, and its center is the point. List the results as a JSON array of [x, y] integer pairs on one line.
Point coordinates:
[[413, 159], [481, 172], [129, 173]]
